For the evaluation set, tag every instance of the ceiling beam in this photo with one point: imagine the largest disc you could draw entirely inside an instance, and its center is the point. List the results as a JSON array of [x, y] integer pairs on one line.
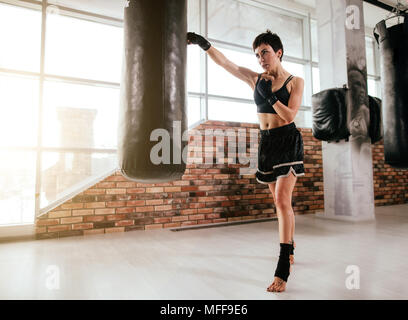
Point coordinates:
[[380, 4]]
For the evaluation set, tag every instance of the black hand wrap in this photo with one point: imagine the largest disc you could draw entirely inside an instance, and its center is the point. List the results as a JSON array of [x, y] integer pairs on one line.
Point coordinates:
[[264, 88], [282, 269], [197, 39], [291, 249]]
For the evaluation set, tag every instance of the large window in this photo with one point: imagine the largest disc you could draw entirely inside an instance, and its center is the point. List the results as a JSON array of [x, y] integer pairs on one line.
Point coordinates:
[[232, 26], [58, 122], [59, 99]]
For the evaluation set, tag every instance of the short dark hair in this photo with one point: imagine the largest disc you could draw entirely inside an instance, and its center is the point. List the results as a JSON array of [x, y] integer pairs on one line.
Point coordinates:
[[270, 38]]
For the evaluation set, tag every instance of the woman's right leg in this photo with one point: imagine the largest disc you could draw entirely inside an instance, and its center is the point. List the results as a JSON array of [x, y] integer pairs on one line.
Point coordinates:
[[272, 187]]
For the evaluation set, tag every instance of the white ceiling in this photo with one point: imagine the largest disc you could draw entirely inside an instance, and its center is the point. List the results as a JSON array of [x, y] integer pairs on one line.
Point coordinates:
[[115, 8]]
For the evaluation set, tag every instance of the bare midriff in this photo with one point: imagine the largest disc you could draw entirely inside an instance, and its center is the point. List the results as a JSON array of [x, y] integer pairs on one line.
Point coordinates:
[[270, 121]]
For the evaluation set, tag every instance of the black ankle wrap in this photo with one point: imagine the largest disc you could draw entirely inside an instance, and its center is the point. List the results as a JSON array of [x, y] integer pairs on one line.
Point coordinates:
[[282, 269]]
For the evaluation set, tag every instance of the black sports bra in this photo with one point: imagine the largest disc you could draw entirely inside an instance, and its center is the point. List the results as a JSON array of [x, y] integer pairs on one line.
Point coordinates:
[[282, 94]]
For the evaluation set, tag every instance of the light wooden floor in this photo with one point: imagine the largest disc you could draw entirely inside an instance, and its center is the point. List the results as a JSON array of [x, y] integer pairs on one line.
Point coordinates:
[[233, 262]]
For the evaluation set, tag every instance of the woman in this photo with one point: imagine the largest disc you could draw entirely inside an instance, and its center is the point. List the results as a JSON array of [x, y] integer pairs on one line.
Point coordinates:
[[278, 96]]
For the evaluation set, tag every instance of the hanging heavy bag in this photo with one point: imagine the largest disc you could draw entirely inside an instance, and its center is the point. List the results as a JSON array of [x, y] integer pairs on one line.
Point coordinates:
[[376, 128], [329, 113], [393, 46], [153, 91], [329, 110]]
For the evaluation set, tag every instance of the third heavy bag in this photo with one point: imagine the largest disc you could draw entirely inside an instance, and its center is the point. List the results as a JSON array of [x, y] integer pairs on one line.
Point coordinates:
[[393, 46]]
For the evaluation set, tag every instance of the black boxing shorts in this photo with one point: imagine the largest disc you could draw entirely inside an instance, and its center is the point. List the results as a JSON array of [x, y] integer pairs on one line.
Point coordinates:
[[280, 153]]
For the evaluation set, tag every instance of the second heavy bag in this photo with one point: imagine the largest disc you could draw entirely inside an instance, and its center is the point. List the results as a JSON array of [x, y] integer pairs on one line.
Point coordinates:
[[329, 112], [393, 45], [152, 117]]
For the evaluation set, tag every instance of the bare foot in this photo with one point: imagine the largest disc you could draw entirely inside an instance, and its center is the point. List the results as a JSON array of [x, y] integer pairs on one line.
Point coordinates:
[[292, 256], [278, 285]]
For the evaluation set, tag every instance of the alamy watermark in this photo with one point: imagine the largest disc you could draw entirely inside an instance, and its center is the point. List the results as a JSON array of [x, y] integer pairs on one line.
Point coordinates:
[[353, 280], [52, 282], [352, 17], [237, 144]]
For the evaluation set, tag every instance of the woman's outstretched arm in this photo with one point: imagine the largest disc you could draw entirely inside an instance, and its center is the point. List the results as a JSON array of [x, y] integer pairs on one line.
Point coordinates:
[[244, 74]]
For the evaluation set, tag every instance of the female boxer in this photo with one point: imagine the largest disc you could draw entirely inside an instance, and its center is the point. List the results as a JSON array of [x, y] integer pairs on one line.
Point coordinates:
[[278, 96]]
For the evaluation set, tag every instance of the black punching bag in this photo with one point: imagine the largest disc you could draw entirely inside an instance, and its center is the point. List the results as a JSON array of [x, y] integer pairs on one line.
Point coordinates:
[[393, 45], [153, 91]]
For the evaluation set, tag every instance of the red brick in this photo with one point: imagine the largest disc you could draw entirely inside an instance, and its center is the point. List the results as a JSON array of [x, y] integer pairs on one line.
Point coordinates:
[[105, 185], [179, 218], [153, 226], [172, 225], [72, 206], [115, 191], [94, 218], [59, 228], [135, 203], [189, 223], [95, 191], [71, 220], [125, 184], [93, 231], [153, 202], [83, 212], [124, 223], [196, 217], [172, 189], [59, 214], [47, 222], [115, 217], [105, 211], [188, 211], [90, 205], [81, 226], [154, 190], [125, 210], [144, 209], [115, 229], [136, 190], [162, 220], [162, 208]]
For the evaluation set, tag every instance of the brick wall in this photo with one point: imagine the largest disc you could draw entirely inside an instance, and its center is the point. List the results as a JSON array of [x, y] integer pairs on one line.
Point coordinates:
[[207, 193], [390, 184]]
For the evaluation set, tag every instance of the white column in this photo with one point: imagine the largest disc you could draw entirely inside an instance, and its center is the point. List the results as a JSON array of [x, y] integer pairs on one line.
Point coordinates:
[[347, 165]]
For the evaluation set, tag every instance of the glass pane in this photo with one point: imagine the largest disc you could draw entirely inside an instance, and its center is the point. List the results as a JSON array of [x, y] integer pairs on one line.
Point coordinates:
[[109, 8], [193, 110], [83, 49], [193, 68], [374, 88], [232, 111], [221, 82], [294, 68], [193, 16], [297, 70], [316, 80], [63, 173], [80, 116], [315, 41], [18, 111], [370, 56], [236, 22], [303, 119], [20, 38], [17, 187]]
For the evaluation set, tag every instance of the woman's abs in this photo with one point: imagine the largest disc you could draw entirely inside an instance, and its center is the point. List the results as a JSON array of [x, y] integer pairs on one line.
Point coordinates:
[[270, 121]]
